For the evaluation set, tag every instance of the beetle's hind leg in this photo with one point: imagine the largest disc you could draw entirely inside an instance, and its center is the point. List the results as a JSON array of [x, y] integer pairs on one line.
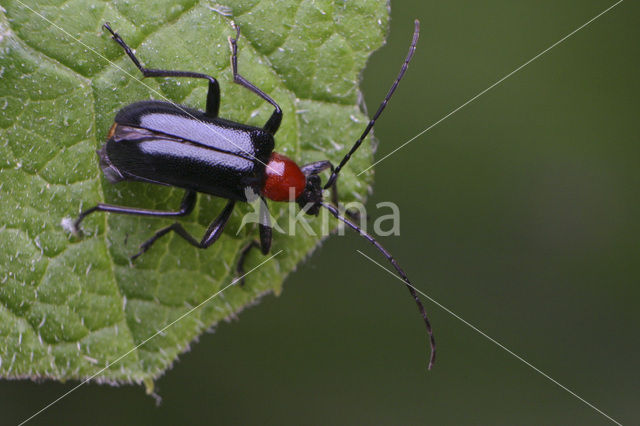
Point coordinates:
[[273, 123], [210, 236], [186, 206], [213, 95]]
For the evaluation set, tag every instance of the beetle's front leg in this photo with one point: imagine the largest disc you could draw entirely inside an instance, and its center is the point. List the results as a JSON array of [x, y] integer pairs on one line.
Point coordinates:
[[211, 236], [213, 95], [273, 123]]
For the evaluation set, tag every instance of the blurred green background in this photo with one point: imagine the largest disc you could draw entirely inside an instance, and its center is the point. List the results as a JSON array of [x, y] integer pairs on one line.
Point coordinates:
[[519, 213]]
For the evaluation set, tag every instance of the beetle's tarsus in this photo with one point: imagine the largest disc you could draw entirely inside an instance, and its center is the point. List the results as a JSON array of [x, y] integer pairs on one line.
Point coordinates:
[[237, 28], [138, 254], [107, 26], [77, 232], [68, 225], [147, 244], [243, 257], [75, 229], [143, 249]]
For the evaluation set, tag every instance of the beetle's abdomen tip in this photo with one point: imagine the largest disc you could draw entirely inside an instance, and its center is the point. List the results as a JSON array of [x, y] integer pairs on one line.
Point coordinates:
[[111, 173]]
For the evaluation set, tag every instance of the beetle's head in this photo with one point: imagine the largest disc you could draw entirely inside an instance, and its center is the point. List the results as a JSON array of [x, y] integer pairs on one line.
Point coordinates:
[[311, 196]]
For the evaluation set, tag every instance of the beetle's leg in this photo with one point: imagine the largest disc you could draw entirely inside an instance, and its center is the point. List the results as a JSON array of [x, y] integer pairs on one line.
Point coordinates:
[[213, 95], [264, 244], [265, 227], [265, 240], [316, 167], [211, 236], [243, 257], [186, 207], [273, 123]]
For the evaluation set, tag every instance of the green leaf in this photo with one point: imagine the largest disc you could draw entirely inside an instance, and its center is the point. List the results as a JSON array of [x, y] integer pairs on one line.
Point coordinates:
[[71, 306]]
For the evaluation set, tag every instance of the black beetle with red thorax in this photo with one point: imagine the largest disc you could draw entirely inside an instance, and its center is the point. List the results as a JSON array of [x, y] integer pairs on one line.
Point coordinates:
[[164, 143]]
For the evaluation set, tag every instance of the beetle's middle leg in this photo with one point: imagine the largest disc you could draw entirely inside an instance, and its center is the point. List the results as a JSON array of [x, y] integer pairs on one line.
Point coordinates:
[[273, 123], [210, 236], [264, 244], [213, 95]]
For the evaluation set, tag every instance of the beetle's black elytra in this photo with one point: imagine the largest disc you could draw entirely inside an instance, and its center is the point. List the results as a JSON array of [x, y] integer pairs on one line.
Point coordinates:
[[167, 144]]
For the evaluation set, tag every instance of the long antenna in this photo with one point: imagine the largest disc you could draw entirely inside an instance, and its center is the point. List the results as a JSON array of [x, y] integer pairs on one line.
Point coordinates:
[[385, 253], [405, 65]]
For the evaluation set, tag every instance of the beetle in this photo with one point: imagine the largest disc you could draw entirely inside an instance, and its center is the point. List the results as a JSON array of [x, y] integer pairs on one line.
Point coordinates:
[[173, 145]]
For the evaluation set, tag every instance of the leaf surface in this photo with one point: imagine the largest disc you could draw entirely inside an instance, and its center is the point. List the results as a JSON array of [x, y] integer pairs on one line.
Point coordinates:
[[71, 306]]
